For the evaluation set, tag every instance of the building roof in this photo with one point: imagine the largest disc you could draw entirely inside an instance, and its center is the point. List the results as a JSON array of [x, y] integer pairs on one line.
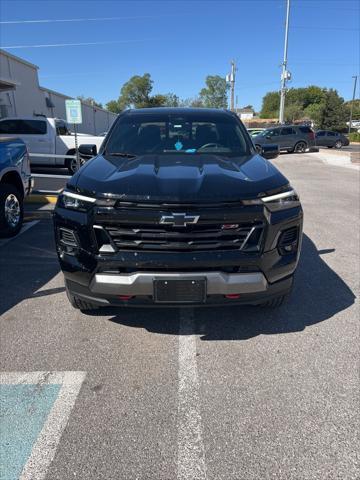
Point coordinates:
[[18, 59]]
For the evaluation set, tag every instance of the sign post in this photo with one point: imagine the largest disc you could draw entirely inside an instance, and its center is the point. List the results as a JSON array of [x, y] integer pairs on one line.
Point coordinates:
[[74, 116]]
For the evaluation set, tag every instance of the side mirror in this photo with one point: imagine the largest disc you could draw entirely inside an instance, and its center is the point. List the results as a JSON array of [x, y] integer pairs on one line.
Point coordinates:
[[270, 151], [88, 150]]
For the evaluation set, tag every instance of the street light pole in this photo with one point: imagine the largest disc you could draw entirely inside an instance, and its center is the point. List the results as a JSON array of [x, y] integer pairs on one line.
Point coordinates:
[[353, 101], [285, 75]]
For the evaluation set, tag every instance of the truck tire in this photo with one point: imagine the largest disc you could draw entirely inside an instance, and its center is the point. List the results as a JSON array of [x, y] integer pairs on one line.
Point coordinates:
[[79, 303], [300, 147], [71, 163], [11, 210]]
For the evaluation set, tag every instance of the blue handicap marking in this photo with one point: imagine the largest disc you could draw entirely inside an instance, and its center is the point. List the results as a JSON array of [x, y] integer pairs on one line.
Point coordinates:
[[24, 409]]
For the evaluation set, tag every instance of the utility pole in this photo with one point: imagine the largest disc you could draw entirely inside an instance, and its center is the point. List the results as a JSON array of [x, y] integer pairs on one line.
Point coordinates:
[[353, 101], [285, 75], [230, 79]]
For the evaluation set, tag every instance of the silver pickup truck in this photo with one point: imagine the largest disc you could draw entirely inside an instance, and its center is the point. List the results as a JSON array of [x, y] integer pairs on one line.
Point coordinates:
[[15, 183]]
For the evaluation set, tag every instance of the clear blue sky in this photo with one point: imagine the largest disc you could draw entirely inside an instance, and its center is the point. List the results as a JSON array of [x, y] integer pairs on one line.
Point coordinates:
[[180, 42]]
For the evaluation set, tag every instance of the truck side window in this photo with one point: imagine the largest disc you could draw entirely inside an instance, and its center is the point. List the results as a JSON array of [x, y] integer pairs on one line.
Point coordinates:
[[23, 127], [10, 127], [33, 127]]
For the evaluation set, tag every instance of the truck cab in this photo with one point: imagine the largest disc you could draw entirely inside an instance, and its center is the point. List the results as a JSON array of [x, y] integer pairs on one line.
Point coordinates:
[[49, 140]]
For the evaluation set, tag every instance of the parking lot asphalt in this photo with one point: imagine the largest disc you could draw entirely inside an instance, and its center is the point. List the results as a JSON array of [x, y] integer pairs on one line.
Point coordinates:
[[217, 394]]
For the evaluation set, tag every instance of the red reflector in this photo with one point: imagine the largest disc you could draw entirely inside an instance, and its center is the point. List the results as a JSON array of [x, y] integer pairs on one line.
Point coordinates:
[[125, 297], [233, 296]]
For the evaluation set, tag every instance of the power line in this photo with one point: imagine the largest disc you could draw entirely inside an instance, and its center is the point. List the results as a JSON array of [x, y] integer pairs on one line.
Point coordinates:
[[83, 44], [325, 28], [96, 19]]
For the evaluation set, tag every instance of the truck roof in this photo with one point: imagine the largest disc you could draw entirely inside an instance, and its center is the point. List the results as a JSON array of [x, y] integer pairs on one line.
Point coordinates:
[[36, 117], [179, 111]]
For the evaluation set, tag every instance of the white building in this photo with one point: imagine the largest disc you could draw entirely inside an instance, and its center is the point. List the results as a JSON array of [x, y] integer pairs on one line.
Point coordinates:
[[21, 95]]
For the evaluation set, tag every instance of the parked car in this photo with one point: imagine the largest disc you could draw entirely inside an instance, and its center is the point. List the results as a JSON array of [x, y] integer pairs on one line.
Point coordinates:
[[15, 183], [327, 138], [178, 208], [292, 138], [255, 131], [46, 136]]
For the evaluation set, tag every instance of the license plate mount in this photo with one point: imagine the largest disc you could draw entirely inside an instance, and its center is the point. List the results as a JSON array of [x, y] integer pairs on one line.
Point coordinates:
[[184, 290]]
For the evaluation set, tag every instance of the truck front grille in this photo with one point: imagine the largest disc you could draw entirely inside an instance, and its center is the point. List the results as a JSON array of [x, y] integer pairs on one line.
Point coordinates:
[[244, 237]]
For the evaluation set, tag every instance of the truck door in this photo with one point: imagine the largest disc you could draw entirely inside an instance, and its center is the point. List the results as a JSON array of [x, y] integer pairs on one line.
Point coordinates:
[[36, 135], [33, 132], [61, 140]]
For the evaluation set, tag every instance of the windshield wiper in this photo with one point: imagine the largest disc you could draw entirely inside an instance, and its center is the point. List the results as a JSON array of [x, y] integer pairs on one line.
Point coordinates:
[[121, 154]]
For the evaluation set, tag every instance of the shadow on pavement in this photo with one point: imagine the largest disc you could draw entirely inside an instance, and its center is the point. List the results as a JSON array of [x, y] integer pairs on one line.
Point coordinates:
[[27, 263], [319, 293]]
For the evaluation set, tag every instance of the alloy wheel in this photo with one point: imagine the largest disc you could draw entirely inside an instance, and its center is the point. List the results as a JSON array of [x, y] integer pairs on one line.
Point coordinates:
[[300, 147], [338, 144], [12, 210]]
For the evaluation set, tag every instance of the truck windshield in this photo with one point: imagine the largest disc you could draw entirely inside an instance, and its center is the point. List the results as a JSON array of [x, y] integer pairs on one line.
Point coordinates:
[[162, 134]]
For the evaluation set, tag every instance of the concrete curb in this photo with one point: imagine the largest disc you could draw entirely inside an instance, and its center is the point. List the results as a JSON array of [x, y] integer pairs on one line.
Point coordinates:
[[40, 198]]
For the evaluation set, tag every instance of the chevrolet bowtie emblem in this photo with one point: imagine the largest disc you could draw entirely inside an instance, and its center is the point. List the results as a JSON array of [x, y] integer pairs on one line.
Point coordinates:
[[179, 219]]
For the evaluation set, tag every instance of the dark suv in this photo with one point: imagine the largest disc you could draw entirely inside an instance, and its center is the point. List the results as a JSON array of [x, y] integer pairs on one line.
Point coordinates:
[[292, 138], [330, 139], [178, 208]]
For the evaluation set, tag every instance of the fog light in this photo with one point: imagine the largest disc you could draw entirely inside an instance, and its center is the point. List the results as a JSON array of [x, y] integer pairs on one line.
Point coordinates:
[[288, 241], [68, 237]]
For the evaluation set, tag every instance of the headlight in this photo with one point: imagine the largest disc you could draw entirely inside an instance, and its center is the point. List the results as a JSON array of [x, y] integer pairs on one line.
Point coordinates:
[[74, 201], [279, 201]]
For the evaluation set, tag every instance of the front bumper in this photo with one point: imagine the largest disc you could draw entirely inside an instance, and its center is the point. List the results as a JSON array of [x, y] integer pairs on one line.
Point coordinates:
[[250, 289], [141, 283], [107, 278]]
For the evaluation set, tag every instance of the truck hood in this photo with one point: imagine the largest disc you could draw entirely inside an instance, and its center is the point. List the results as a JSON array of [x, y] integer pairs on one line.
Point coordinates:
[[178, 178]]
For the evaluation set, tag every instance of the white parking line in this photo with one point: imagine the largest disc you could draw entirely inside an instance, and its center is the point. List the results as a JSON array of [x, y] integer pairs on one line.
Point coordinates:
[[49, 175], [45, 446], [25, 227], [191, 454]]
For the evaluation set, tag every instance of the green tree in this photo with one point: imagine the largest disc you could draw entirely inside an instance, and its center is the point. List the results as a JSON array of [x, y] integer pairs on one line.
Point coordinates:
[[270, 105], [90, 100], [171, 100], [113, 106], [293, 111], [324, 107], [314, 113], [332, 112], [136, 92], [214, 95], [356, 108]]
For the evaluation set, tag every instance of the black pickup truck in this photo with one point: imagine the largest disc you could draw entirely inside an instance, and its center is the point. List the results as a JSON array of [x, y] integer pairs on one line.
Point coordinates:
[[178, 208]]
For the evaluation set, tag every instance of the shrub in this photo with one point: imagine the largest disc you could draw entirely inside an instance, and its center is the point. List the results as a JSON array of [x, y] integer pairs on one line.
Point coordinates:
[[354, 137]]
